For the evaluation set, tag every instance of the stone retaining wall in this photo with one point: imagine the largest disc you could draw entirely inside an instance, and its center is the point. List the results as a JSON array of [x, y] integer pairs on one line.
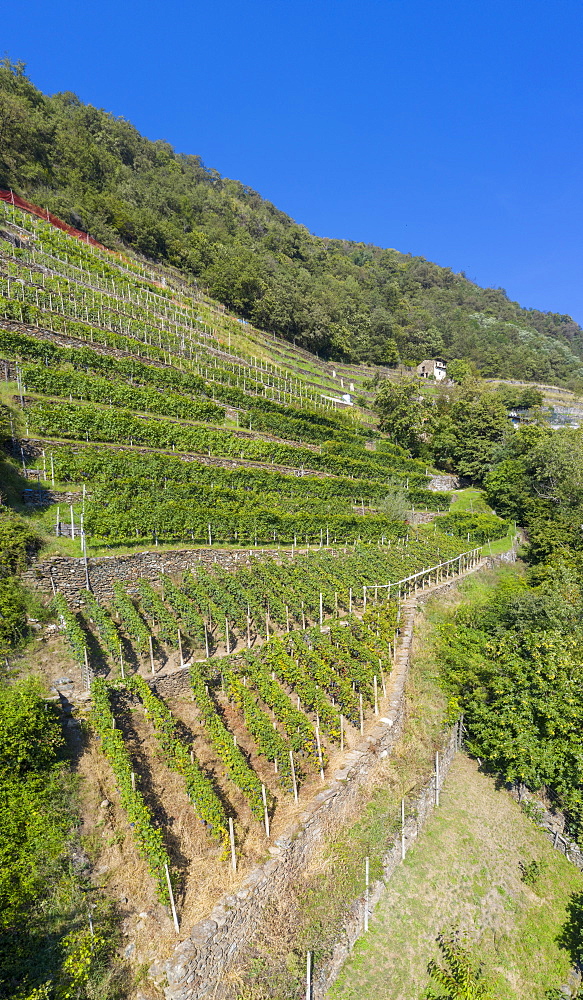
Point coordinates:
[[68, 574], [443, 483]]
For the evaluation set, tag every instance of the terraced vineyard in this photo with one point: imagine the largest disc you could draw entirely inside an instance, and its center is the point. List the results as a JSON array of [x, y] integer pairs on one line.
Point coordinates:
[[285, 662], [115, 374], [146, 416]]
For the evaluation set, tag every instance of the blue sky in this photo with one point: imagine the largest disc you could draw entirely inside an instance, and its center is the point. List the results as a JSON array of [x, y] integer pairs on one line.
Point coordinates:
[[446, 129]]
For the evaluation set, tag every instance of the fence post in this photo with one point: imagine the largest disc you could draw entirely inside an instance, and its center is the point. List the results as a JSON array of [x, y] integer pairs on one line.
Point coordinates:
[[265, 812], [86, 667], [402, 829], [437, 779], [309, 976], [232, 839], [84, 547], [174, 915], [293, 773], [366, 892], [319, 748]]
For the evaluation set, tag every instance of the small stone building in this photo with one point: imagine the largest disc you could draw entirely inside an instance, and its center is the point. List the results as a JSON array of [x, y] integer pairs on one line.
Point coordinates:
[[434, 368]]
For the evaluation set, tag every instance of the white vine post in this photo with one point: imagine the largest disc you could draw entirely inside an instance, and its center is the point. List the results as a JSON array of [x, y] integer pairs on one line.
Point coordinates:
[[151, 654], [341, 734], [121, 662], [86, 667], [376, 695], [309, 976], [319, 746], [232, 839], [171, 894], [361, 714], [265, 812], [52, 471], [72, 522], [321, 610], [293, 774], [437, 779], [86, 564], [366, 892], [180, 648], [402, 829], [58, 526], [248, 627]]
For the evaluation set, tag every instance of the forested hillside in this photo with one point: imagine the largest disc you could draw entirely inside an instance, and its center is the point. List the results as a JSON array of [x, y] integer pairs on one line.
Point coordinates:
[[344, 300], [225, 535]]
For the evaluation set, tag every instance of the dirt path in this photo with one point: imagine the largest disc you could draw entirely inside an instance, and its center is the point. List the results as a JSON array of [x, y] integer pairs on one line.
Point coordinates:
[[464, 872]]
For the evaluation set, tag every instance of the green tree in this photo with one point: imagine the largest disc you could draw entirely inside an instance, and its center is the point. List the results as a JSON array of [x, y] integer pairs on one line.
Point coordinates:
[[461, 371], [456, 979], [401, 413]]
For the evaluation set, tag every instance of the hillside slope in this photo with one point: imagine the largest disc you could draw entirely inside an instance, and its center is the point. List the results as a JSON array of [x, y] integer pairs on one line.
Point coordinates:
[[465, 872], [344, 300]]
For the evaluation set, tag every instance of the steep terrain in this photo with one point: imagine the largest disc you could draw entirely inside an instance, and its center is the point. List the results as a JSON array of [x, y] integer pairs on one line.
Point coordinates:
[[139, 420], [219, 528], [346, 301]]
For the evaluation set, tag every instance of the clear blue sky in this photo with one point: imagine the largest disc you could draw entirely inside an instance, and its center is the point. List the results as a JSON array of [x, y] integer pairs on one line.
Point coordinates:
[[441, 128]]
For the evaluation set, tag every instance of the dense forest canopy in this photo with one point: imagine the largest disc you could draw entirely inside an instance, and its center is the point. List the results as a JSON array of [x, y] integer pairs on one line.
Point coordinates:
[[341, 299]]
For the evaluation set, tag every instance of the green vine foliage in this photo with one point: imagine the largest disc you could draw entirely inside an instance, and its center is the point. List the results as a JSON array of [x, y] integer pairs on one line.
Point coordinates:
[[266, 737], [131, 620], [154, 607], [104, 624], [51, 382], [191, 621], [149, 839], [74, 634], [141, 471], [298, 727], [456, 978], [222, 740], [178, 757]]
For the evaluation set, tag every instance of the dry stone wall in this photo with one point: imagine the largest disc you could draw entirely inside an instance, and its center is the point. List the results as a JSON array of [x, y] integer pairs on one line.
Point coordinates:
[[443, 483], [68, 574]]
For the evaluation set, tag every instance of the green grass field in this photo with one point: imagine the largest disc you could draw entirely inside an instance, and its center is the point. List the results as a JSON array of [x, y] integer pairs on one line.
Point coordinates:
[[464, 873]]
